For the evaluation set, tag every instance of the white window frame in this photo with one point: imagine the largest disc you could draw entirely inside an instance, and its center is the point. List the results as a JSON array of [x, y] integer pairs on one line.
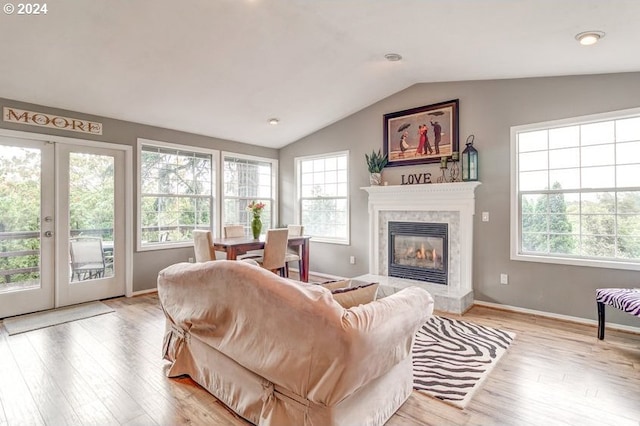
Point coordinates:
[[515, 228], [298, 201], [274, 184], [215, 156]]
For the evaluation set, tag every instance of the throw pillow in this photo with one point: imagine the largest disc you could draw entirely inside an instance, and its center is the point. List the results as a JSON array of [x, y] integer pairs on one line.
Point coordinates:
[[349, 297], [335, 284]]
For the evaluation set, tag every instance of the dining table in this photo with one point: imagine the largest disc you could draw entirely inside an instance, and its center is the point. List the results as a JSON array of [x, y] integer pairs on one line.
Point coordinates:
[[236, 246]]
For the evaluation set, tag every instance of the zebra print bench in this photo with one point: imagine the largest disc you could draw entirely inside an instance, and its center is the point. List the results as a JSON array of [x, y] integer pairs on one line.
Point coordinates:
[[625, 299]]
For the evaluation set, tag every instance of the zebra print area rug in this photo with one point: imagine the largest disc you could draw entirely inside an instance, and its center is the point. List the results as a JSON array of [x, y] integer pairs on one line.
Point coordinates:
[[452, 358]]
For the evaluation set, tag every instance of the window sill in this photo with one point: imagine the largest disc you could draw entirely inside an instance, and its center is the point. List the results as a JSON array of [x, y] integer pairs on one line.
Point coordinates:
[[593, 263], [163, 246], [330, 241]]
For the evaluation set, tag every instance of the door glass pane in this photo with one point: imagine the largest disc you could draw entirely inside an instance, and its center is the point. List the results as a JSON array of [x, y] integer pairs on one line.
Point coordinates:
[[91, 216], [19, 218]]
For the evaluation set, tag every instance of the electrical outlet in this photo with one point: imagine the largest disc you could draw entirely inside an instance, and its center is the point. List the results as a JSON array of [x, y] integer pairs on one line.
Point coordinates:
[[485, 216], [504, 279], [192, 260], [352, 260]]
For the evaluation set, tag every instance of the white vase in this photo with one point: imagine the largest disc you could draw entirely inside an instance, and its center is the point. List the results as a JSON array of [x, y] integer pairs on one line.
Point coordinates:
[[375, 178]]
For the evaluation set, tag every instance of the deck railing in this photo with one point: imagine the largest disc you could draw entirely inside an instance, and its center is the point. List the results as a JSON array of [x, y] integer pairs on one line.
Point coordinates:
[[6, 256], [6, 273], [32, 266]]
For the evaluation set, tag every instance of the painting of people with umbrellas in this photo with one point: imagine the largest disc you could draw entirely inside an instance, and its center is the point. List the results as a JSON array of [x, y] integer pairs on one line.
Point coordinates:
[[421, 135]]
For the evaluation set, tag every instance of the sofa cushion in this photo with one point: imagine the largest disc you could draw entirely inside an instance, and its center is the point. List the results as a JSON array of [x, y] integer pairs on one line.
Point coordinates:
[[354, 296]]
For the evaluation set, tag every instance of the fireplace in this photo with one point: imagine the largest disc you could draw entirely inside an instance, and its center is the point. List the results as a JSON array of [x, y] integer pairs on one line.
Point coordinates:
[[418, 251], [449, 204]]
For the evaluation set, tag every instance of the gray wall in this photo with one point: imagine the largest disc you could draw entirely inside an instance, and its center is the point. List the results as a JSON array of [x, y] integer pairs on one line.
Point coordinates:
[[146, 264], [487, 109]]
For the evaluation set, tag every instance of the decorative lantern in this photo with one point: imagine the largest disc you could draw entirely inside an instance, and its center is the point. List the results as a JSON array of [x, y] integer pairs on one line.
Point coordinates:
[[469, 161]]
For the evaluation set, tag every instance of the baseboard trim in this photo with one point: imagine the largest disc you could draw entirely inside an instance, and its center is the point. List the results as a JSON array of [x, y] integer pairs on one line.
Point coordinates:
[[141, 292], [568, 318]]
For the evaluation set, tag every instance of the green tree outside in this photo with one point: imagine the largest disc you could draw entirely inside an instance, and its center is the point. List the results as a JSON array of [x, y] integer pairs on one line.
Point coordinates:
[[546, 227]]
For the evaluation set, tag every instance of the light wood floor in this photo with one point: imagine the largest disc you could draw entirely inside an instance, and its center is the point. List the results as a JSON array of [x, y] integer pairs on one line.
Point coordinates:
[[107, 370]]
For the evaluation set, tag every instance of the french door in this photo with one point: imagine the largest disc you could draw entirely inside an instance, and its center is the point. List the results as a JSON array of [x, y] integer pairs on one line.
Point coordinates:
[[62, 224]]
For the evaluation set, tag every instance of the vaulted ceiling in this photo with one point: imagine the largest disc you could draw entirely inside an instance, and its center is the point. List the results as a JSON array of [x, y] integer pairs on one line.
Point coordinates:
[[222, 68]]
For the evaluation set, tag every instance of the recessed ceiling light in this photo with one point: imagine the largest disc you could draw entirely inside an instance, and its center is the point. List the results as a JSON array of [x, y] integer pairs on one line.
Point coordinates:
[[588, 38], [273, 121], [393, 57]]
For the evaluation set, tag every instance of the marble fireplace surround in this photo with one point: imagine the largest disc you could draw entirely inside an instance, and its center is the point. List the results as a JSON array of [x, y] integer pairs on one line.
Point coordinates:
[[451, 203]]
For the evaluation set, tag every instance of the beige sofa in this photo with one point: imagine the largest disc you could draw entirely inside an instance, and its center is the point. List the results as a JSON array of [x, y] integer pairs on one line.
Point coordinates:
[[280, 352]]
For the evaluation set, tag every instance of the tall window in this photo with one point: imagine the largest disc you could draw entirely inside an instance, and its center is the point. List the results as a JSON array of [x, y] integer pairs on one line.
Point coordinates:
[[246, 179], [576, 191], [323, 194], [176, 193]]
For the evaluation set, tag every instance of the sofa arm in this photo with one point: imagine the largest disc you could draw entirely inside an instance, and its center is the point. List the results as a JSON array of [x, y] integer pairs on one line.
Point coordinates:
[[383, 332]]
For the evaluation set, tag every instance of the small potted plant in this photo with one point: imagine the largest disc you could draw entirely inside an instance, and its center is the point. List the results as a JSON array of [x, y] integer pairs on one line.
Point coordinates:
[[375, 163]]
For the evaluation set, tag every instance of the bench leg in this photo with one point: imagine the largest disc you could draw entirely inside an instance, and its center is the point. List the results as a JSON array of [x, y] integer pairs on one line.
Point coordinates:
[[600, 320]]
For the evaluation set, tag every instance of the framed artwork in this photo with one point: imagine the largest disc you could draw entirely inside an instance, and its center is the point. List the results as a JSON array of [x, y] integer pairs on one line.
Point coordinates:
[[421, 135]]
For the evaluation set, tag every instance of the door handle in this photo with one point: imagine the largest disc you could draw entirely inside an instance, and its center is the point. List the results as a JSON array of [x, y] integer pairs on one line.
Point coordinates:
[[48, 234]]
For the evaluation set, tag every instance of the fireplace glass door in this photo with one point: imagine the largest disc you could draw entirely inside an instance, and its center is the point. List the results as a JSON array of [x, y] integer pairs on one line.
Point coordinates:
[[418, 251]]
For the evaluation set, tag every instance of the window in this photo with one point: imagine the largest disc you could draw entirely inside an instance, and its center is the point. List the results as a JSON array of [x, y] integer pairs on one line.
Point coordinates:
[[323, 194], [245, 179], [576, 191], [175, 193]]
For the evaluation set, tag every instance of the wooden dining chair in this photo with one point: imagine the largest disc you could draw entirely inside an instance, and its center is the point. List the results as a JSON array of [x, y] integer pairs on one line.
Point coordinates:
[[203, 246], [294, 255], [275, 249]]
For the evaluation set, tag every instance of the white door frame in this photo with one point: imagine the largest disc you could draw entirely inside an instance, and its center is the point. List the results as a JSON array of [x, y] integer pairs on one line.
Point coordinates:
[[128, 152], [40, 297], [67, 291]]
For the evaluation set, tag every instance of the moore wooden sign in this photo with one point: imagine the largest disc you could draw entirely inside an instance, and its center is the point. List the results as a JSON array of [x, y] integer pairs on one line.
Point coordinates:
[[32, 118]]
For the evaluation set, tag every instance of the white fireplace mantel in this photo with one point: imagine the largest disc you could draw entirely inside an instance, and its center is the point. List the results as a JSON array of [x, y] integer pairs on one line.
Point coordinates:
[[452, 203], [458, 193]]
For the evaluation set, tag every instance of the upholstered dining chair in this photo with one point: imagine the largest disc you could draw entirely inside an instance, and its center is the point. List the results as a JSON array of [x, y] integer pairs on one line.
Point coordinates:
[[234, 231], [237, 231], [275, 249], [293, 255], [203, 246]]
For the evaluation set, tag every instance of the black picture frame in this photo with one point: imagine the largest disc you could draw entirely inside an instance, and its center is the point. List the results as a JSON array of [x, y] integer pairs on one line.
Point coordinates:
[[402, 134]]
